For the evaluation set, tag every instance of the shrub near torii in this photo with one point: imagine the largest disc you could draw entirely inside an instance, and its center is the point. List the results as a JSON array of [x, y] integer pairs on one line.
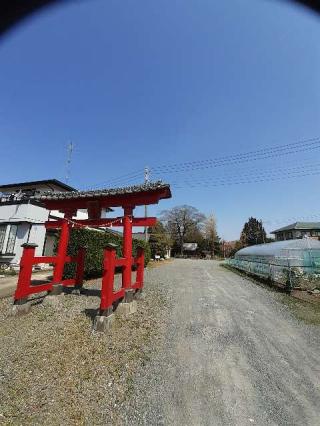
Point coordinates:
[[96, 241]]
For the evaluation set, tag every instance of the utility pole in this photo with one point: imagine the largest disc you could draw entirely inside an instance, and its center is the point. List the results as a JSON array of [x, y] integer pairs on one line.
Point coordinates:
[[146, 180], [69, 158]]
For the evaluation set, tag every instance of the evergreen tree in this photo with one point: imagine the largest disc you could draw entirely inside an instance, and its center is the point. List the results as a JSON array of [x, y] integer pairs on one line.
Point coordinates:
[[253, 233]]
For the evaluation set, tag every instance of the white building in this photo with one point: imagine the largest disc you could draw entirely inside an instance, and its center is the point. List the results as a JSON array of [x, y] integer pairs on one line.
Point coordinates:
[[22, 219]]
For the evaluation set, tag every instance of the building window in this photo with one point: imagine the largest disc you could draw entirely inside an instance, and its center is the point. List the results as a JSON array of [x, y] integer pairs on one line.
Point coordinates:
[[11, 238], [3, 229]]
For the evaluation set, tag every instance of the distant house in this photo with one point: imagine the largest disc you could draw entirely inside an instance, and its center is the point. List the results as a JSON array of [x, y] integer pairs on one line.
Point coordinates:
[[298, 230], [22, 218], [229, 247], [191, 247], [140, 236]]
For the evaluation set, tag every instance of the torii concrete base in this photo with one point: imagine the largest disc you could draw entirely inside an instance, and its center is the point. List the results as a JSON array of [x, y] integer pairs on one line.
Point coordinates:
[[127, 308], [139, 295], [21, 308], [56, 290], [103, 323]]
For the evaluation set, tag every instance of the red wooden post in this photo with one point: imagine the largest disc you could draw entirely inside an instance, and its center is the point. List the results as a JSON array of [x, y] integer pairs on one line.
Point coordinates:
[[25, 273], [140, 269], [127, 248], [80, 266], [62, 253], [109, 262]]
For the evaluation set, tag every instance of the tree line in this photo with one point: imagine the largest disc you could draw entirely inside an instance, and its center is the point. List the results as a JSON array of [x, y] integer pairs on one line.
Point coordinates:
[[186, 224]]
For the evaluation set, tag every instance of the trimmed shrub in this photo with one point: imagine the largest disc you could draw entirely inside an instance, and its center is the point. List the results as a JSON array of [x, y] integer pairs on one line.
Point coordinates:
[[95, 243]]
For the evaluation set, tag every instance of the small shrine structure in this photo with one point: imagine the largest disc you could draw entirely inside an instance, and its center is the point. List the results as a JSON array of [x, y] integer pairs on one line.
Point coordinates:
[[94, 202]]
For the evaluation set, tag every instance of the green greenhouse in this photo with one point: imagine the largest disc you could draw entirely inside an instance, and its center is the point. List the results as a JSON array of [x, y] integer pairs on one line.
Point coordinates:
[[290, 263]]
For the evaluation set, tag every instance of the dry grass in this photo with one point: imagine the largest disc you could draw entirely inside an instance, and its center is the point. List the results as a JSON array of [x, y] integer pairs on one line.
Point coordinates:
[[54, 370], [302, 310], [156, 264]]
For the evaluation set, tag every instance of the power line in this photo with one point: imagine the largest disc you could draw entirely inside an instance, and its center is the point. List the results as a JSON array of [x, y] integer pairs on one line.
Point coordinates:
[[229, 160], [290, 219], [122, 178], [260, 152], [232, 160], [254, 173], [238, 178], [226, 182]]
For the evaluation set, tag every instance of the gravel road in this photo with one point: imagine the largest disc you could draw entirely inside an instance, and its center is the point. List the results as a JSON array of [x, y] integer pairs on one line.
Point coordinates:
[[231, 354]]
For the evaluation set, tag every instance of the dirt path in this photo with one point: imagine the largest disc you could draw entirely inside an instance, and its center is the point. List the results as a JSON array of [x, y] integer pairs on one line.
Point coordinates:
[[8, 284], [232, 354]]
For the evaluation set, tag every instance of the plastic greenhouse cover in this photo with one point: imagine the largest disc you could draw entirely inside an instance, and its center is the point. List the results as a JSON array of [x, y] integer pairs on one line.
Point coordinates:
[[275, 249]]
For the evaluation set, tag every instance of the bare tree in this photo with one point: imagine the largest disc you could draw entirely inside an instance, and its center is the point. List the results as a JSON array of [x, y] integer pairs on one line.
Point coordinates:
[[180, 221], [210, 233]]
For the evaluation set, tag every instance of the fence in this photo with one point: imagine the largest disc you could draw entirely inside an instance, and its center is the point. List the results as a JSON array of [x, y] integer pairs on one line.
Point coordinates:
[[109, 295], [288, 272], [25, 287]]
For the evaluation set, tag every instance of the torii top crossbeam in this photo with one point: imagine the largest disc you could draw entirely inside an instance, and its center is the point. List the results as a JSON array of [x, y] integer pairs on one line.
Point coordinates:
[[94, 201]]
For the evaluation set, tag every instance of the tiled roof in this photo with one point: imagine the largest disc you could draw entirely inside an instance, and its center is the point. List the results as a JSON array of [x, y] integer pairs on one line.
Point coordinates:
[[299, 225], [146, 187], [39, 182]]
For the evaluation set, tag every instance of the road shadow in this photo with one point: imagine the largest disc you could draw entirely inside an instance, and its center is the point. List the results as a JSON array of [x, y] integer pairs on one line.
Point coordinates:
[[40, 281], [91, 313], [91, 292]]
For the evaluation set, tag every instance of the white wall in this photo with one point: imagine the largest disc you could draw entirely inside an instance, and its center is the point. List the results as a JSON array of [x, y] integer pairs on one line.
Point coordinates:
[[37, 236], [50, 244], [31, 213], [22, 212], [81, 214], [28, 217], [21, 238]]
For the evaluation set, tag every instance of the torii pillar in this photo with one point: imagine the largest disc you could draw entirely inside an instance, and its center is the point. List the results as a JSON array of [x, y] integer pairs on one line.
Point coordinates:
[[129, 305], [57, 286]]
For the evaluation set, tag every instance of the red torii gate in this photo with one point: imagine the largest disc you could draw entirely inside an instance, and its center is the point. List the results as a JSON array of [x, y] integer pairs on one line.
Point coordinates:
[[93, 201]]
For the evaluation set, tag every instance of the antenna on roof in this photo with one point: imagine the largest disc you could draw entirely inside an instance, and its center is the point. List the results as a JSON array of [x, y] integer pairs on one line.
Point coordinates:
[[68, 163]]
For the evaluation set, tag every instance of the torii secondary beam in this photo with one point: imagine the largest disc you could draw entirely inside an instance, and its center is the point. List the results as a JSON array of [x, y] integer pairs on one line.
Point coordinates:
[[118, 221]]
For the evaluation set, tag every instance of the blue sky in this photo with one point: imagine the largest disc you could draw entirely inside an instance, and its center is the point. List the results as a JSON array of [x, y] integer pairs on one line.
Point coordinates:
[[137, 83]]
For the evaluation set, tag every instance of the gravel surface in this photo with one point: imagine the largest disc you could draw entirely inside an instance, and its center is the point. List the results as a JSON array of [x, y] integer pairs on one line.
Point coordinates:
[[207, 347], [55, 371], [232, 354]]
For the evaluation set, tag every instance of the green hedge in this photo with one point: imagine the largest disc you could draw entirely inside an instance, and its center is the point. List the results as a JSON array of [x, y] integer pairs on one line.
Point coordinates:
[[95, 243]]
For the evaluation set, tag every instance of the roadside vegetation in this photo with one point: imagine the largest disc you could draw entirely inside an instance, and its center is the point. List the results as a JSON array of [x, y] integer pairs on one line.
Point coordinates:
[[302, 310]]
